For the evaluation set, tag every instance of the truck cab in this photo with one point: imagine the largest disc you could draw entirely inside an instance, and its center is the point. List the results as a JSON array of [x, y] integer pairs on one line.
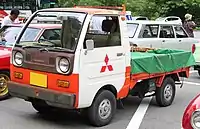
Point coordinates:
[[94, 45]]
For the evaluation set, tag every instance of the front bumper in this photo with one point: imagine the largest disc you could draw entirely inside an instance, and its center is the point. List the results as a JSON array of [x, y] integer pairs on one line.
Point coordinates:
[[53, 98]]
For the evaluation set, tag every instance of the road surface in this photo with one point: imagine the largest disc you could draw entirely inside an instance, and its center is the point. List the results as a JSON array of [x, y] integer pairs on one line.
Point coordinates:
[[19, 114]]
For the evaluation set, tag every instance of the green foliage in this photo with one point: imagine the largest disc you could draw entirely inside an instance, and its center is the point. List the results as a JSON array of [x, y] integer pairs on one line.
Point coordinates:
[[149, 8]]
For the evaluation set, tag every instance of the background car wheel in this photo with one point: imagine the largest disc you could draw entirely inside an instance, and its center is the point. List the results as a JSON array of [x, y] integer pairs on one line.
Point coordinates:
[[4, 78], [103, 109], [166, 93]]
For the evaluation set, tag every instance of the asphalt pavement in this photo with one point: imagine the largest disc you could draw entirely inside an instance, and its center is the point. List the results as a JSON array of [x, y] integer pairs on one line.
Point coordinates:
[[19, 114]]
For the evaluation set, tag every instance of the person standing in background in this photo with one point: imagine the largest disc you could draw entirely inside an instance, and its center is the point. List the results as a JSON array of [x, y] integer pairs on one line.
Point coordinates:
[[189, 25], [12, 18]]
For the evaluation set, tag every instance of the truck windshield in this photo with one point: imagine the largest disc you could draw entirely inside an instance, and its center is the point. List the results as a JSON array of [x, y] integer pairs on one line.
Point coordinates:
[[71, 25]]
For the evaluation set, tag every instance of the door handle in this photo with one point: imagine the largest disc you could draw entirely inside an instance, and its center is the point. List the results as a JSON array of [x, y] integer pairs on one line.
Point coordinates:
[[179, 40], [163, 41], [119, 54]]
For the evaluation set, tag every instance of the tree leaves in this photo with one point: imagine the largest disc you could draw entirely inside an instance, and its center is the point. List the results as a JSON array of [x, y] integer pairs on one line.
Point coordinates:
[[149, 8]]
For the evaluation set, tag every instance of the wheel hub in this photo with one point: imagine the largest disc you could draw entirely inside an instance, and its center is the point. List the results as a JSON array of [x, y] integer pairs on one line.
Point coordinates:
[[3, 84], [168, 92], [105, 109]]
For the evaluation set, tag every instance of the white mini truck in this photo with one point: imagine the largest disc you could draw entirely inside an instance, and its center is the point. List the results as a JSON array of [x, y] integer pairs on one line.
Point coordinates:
[[92, 67]]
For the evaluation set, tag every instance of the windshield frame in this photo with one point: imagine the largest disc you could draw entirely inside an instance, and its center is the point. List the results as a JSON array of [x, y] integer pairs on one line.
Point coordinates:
[[26, 25]]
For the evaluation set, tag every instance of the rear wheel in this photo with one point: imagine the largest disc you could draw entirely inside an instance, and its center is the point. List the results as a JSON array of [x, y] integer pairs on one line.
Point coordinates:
[[166, 93], [103, 109], [4, 78]]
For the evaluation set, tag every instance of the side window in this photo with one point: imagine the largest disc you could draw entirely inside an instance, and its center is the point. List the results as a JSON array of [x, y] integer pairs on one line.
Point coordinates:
[[180, 33], [166, 32], [104, 31], [51, 34], [149, 31]]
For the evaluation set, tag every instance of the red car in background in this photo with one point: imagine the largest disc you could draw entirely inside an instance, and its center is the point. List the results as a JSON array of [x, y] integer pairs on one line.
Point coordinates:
[[8, 34], [191, 116]]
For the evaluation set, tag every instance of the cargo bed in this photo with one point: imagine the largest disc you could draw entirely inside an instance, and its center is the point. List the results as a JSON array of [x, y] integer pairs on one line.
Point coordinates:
[[160, 61]]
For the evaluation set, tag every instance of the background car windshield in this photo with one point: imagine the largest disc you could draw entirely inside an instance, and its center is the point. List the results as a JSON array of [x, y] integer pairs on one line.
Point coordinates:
[[9, 34]]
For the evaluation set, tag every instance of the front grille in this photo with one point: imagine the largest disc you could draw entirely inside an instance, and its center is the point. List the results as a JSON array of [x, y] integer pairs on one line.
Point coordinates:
[[28, 57], [52, 61]]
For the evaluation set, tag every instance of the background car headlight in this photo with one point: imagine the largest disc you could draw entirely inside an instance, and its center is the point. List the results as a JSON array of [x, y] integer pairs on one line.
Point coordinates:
[[18, 58], [195, 119], [63, 65]]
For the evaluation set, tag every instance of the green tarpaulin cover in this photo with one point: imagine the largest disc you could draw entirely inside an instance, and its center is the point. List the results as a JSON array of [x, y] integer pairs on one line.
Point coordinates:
[[160, 60]]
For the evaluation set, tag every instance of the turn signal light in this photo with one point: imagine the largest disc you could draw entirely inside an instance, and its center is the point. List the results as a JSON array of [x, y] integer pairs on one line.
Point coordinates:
[[18, 75], [64, 84]]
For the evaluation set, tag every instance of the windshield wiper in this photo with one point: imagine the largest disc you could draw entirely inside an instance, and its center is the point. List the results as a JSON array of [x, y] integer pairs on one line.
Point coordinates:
[[30, 47], [56, 49], [46, 40]]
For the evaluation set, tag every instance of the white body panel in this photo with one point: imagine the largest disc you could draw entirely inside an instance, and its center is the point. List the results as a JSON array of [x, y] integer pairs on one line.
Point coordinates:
[[91, 62]]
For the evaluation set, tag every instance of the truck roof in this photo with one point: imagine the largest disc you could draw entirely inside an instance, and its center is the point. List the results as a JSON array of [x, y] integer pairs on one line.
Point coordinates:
[[84, 10], [40, 26]]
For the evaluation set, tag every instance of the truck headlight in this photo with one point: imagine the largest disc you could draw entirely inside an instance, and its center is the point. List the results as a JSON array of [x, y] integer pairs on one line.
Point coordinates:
[[18, 58], [195, 119], [63, 65]]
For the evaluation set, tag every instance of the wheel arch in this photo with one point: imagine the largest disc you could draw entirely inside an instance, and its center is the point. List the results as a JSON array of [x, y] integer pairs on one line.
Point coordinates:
[[174, 76], [5, 71], [108, 87]]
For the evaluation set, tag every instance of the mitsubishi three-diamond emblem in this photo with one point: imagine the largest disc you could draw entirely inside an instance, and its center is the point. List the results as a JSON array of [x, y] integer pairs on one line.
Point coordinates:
[[103, 68]]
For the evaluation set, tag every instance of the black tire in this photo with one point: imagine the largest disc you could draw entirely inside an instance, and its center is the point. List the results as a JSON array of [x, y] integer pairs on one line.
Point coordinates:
[[41, 107], [4, 94], [161, 94], [93, 112]]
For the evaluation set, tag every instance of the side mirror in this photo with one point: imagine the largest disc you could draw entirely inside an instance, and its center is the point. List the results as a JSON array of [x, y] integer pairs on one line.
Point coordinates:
[[90, 44]]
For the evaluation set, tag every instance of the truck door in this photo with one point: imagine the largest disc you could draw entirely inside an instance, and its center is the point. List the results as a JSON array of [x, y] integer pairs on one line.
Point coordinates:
[[184, 41], [105, 64]]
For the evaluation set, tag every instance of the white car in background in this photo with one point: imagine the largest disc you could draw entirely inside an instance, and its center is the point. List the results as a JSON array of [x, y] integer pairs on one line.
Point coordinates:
[[130, 17], [159, 34], [140, 18], [170, 19]]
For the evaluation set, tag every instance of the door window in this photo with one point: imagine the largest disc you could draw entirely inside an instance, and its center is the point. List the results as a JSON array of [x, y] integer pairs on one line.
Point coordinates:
[[149, 31], [104, 31], [180, 33], [166, 32]]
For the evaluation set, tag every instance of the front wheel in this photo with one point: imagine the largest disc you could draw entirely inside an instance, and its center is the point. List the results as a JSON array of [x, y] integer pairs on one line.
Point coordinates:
[[4, 78], [166, 93], [42, 107], [103, 109]]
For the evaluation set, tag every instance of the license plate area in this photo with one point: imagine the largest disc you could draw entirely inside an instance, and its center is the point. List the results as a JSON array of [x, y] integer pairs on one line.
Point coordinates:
[[38, 79]]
